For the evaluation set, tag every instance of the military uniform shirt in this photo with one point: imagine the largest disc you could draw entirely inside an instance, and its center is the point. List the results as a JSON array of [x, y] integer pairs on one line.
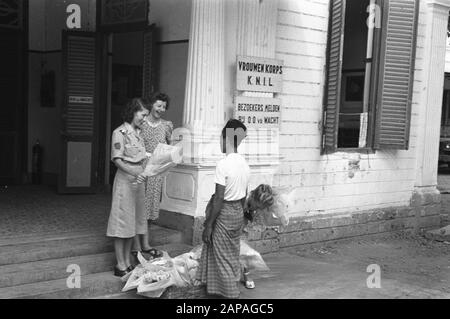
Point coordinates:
[[127, 144]]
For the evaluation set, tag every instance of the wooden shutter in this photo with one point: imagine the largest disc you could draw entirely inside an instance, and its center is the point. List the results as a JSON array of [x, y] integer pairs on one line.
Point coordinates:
[[333, 74], [79, 129], [396, 74], [148, 74]]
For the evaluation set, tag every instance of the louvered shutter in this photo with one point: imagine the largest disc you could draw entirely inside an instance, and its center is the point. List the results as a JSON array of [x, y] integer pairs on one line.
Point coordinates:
[[79, 111], [396, 74], [333, 74], [80, 85], [148, 74]]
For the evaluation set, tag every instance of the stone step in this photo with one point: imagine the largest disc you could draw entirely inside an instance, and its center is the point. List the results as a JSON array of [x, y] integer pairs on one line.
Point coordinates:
[[52, 269], [90, 286], [96, 284], [23, 250]]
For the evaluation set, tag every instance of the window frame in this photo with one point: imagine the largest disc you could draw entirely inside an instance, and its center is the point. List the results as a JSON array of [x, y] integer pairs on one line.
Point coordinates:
[[377, 105]]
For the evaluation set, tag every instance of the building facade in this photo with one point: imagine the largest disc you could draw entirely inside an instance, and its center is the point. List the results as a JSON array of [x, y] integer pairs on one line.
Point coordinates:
[[356, 144]]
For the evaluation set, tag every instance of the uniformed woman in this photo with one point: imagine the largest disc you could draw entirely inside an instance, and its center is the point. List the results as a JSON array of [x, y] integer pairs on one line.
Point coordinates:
[[128, 216]]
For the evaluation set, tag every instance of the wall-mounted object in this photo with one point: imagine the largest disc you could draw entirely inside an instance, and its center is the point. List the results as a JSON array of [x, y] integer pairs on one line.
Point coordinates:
[[48, 89]]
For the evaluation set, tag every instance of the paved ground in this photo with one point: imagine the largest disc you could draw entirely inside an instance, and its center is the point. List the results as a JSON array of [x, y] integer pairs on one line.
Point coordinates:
[[410, 267], [29, 209]]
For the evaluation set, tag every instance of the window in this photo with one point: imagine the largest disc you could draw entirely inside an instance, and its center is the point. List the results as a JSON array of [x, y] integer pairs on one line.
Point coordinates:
[[11, 14], [370, 63]]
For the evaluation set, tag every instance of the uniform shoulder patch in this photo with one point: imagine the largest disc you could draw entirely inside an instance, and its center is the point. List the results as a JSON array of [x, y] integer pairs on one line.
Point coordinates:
[[117, 146]]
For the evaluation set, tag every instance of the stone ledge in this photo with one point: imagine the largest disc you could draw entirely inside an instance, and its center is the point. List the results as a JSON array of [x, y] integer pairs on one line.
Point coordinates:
[[338, 220], [331, 227], [424, 199], [356, 230]]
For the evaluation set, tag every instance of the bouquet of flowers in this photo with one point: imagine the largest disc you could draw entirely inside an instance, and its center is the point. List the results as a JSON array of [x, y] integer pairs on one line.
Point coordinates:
[[151, 278], [163, 158], [278, 212]]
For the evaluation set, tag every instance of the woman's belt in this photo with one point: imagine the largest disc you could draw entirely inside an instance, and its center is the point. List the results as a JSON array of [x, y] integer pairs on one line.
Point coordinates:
[[134, 163], [232, 201]]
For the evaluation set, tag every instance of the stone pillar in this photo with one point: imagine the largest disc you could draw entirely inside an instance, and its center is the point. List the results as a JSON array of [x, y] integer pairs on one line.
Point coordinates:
[[204, 103], [188, 187], [427, 143], [431, 106]]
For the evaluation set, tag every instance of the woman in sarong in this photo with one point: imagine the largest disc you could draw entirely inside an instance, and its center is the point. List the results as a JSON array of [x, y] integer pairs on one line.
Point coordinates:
[[219, 265]]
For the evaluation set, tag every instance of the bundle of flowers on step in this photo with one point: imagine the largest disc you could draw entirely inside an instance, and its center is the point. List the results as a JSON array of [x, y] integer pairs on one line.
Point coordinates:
[[163, 158], [151, 277]]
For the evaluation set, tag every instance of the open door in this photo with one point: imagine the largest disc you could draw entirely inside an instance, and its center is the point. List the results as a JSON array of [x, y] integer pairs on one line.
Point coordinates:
[[79, 131], [11, 106], [149, 69]]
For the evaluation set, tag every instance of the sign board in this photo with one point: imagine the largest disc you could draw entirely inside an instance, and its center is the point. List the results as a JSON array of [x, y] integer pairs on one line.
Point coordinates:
[[258, 111], [363, 130], [81, 99], [259, 74]]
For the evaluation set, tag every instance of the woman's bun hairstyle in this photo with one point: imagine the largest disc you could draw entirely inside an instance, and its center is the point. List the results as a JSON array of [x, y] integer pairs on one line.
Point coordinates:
[[264, 195]]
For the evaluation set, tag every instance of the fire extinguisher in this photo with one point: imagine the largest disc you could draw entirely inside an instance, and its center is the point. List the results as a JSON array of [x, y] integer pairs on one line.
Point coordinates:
[[36, 163]]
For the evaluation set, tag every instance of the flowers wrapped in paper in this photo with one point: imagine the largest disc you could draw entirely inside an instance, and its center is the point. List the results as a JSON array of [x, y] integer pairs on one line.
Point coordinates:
[[164, 157], [151, 277], [277, 213]]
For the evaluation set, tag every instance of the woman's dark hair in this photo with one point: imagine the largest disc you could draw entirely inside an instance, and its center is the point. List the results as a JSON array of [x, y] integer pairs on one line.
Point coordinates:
[[133, 106], [263, 194], [155, 97], [234, 128]]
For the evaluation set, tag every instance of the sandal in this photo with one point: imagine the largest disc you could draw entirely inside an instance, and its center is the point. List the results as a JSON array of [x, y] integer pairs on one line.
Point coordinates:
[[120, 273], [249, 284], [154, 253]]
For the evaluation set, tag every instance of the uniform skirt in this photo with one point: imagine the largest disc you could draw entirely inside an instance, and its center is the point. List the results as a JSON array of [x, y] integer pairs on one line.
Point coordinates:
[[127, 217], [220, 267]]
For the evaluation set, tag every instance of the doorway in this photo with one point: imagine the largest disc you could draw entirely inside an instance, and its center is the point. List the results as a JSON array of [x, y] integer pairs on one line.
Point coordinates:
[[126, 76], [13, 127]]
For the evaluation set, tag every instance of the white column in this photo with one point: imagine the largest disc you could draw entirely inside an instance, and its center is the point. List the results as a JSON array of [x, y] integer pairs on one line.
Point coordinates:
[[430, 110], [189, 186], [204, 96]]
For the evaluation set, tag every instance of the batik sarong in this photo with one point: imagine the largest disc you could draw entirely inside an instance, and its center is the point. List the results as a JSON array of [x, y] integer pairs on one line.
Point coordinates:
[[219, 265]]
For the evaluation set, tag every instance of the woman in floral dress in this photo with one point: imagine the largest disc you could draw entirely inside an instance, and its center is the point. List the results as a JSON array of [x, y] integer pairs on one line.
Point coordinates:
[[155, 130]]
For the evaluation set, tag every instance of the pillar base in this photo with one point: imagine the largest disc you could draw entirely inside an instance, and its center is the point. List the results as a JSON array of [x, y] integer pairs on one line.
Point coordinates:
[[188, 187]]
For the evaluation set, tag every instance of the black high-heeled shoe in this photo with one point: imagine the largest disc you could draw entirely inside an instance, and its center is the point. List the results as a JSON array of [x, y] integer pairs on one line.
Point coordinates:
[[120, 273], [130, 268]]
